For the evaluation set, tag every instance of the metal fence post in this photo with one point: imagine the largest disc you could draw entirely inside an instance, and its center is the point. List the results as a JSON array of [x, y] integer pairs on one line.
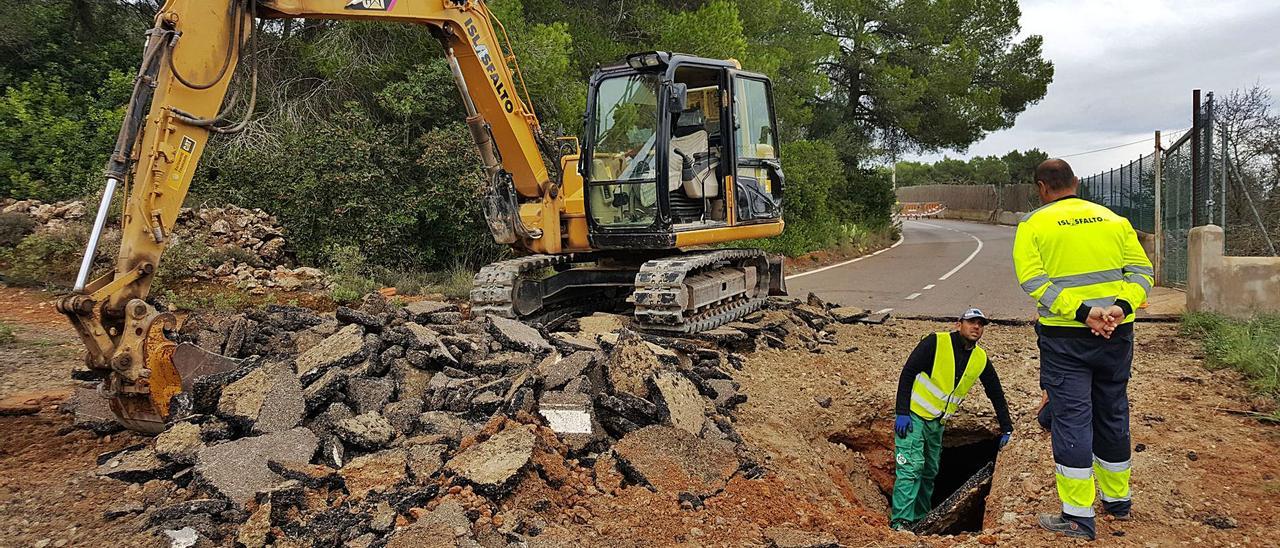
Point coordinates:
[[1159, 221], [1195, 158]]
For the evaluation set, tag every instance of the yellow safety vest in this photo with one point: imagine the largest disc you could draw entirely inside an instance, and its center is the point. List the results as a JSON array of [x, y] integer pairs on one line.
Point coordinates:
[[1073, 252], [938, 395]]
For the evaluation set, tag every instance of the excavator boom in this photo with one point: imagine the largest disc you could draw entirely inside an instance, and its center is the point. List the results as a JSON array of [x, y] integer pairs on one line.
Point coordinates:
[[190, 57], [680, 152]]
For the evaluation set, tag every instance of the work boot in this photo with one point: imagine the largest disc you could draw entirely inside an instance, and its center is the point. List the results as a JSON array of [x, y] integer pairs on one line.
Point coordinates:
[[1059, 523], [900, 525], [1120, 511]]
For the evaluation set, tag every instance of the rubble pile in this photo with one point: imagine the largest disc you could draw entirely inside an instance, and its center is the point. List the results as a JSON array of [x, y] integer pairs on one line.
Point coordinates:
[[399, 426], [245, 247]]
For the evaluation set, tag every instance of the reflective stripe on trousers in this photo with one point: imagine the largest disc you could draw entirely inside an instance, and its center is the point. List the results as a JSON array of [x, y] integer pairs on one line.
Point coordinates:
[[1113, 479], [1075, 488]]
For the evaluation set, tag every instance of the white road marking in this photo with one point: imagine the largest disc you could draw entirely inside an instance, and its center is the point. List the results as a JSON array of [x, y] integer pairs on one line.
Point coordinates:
[[850, 261], [968, 259], [912, 296], [883, 311], [928, 287]]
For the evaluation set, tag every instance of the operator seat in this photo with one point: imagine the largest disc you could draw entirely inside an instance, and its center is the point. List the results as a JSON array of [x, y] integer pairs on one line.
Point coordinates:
[[689, 138]]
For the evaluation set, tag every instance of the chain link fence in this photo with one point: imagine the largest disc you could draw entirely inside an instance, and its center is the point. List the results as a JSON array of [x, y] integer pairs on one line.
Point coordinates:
[[1169, 191]]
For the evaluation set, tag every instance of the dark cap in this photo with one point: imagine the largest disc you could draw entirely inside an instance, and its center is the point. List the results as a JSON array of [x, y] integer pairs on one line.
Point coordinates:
[[974, 313]]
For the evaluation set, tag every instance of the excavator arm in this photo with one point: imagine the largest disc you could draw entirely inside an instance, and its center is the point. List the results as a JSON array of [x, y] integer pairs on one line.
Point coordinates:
[[190, 57]]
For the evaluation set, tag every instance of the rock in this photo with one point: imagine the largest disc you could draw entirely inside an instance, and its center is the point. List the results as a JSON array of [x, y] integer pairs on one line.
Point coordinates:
[[781, 537], [311, 476], [1218, 521], [326, 422], [179, 443], [449, 425], [425, 461], [403, 415], [369, 395], [367, 431], [375, 472], [493, 464], [424, 339], [324, 389], [636, 410], [383, 518], [600, 323], [237, 470], [571, 415], [727, 396], [724, 336], [418, 310], [557, 372], [630, 365], [440, 528], [253, 532], [517, 335], [568, 343], [92, 412], [411, 382], [268, 399], [346, 315], [185, 537], [338, 350], [684, 405], [849, 314], [136, 466], [673, 461]]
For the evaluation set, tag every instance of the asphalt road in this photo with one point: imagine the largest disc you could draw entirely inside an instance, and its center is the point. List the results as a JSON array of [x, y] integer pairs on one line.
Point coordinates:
[[939, 268]]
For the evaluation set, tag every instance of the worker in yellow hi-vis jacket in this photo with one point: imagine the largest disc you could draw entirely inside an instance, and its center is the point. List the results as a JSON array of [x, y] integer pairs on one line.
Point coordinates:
[[1083, 265], [937, 376]]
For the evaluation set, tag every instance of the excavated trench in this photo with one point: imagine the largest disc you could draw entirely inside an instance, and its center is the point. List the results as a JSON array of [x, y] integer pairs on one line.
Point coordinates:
[[962, 485], [961, 499]]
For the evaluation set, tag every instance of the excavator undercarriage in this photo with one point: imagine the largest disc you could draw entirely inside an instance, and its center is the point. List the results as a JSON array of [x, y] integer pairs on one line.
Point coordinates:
[[688, 292]]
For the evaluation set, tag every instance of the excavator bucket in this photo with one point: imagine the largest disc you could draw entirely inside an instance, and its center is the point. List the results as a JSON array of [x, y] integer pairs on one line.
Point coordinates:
[[174, 368]]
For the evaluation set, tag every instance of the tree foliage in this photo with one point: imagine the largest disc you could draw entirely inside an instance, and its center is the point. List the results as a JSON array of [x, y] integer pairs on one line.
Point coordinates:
[[1014, 167], [925, 75], [357, 141]]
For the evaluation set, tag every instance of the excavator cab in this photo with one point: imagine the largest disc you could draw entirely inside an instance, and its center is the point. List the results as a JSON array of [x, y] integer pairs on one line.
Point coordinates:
[[682, 151]]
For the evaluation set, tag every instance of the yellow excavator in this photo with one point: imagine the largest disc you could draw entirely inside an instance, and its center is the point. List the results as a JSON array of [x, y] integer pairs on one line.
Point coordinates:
[[677, 152]]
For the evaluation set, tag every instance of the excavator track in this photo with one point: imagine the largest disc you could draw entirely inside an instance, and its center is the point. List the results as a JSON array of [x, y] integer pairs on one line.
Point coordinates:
[[701, 290], [497, 287]]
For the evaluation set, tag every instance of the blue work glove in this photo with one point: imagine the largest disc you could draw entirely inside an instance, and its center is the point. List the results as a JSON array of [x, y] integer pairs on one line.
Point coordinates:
[[1004, 439], [902, 426]]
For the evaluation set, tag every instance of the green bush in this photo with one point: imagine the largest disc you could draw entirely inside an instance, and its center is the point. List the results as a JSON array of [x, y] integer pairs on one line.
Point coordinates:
[[349, 274], [1251, 347], [6, 335], [50, 257], [180, 262], [14, 227], [217, 300]]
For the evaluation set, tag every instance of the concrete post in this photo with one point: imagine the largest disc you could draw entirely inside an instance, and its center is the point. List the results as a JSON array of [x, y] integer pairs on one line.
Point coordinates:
[[1205, 248]]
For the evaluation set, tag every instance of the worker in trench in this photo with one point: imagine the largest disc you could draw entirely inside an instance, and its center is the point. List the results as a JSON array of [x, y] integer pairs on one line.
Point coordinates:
[[1083, 265], [937, 376]]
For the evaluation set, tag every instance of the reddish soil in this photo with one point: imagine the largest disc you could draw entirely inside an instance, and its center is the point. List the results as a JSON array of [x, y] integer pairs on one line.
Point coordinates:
[[827, 462]]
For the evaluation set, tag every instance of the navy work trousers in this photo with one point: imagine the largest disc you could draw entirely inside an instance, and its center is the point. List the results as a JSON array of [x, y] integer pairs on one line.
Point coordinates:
[[1087, 378]]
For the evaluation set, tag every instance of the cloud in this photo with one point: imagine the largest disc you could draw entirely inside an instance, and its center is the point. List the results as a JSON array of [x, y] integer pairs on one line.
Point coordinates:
[[1126, 69]]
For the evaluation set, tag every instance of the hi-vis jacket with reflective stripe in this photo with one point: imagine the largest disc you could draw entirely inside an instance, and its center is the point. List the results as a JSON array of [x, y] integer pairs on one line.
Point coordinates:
[[1072, 253], [939, 395]]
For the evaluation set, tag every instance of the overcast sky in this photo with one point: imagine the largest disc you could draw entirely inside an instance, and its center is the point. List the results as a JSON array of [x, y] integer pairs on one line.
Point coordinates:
[[1126, 68]]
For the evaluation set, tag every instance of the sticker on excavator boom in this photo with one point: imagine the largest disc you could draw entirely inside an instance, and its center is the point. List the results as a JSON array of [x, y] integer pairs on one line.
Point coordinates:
[[371, 5], [181, 161]]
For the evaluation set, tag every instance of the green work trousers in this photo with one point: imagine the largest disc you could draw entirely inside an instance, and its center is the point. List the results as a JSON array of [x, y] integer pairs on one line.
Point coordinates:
[[917, 457]]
